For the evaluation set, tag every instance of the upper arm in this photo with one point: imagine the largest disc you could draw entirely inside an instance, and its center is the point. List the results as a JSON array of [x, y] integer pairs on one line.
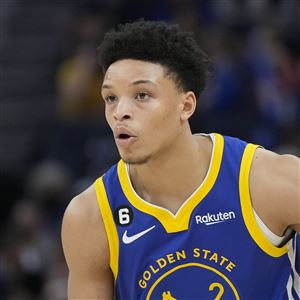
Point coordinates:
[[86, 250], [275, 190]]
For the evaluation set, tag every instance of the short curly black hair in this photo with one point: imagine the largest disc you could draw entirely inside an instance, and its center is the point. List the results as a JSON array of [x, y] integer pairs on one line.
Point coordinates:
[[162, 43]]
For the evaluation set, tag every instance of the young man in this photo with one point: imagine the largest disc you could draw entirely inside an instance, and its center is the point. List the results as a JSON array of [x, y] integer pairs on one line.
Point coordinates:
[[181, 216]]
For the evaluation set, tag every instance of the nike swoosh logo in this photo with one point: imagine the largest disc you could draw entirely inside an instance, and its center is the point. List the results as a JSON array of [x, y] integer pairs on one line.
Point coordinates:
[[129, 239]]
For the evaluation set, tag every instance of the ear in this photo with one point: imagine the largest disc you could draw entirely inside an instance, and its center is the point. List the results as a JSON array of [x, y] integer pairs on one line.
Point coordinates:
[[188, 105]]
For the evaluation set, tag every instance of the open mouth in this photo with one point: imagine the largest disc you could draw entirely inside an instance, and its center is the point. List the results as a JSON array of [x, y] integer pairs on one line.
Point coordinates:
[[124, 139], [124, 136]]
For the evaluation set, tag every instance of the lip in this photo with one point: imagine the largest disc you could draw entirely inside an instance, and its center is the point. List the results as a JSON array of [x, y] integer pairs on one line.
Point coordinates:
[[124, 130], [125, 142]]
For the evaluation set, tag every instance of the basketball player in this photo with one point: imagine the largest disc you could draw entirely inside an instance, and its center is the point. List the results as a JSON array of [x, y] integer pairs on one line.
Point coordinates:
[[181, 216]]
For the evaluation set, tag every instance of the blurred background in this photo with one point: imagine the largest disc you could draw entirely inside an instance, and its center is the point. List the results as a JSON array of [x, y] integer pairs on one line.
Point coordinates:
[[54, 141]]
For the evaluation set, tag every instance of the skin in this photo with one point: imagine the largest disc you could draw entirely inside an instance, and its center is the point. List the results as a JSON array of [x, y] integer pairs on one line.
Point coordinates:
[[156, 113]]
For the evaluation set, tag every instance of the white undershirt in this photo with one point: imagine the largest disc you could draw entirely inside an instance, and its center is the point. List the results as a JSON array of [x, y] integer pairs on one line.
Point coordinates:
[[272, 237]]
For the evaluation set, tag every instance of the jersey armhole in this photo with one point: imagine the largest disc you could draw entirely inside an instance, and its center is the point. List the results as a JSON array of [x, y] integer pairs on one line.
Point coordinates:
[[247, 209], [109, 224]]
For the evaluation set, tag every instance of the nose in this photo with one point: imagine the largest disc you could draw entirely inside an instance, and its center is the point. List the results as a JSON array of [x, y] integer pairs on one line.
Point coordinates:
[[123, 110]]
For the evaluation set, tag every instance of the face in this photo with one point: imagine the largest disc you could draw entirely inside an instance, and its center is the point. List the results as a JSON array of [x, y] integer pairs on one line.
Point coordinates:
[[144, 108]]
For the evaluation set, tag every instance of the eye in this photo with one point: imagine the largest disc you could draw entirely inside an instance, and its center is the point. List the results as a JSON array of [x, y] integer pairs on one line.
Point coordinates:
[[142, 96], [110, 99]]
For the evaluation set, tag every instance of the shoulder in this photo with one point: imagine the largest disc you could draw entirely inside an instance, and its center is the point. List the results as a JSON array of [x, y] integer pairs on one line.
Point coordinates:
[[83, 209], [274, 188], [82, 229], [281, 172]]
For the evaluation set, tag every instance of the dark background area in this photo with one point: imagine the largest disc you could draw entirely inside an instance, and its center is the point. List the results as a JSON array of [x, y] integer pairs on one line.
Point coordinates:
[[54, 141]]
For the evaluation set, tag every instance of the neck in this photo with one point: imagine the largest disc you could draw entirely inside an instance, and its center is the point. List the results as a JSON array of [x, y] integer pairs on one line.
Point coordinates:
[[168, 180]]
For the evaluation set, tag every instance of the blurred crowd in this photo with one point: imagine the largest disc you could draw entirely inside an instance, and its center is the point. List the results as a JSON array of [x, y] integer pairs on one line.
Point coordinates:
[[254, 94]]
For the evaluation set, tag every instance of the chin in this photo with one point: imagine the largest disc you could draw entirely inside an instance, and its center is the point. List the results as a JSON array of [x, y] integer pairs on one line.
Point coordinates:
[[135, 160]]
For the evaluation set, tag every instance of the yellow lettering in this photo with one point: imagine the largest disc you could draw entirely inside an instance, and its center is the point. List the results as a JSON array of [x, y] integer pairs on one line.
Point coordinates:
[[214, 257], [153, 270], [223, 260], [170, 258], [180, 255], [230, 266], [147, 275], [161, 262], [206, 252], [196, 252], [142, 284]]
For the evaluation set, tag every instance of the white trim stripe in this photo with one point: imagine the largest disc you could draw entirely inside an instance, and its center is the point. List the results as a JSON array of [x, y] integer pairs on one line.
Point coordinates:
[[289, 288], [296, 275], [292, 258]]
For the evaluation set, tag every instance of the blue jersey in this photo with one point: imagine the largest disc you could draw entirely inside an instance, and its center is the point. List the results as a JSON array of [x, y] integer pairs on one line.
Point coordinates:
[[212, 248]]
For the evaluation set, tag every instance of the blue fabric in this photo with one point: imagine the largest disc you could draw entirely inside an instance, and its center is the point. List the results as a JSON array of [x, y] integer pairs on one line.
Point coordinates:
[[205, 261]]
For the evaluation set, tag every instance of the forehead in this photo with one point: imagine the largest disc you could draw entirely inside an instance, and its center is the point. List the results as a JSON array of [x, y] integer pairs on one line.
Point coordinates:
[[130, 70]]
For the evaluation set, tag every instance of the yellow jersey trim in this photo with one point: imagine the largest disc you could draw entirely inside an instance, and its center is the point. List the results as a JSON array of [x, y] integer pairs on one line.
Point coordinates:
[[247, 209], [109, 224], [180, 221], [193, 265]]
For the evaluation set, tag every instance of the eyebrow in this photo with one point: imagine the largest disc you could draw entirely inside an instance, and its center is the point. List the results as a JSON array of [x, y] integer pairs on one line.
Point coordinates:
[[107, 86]]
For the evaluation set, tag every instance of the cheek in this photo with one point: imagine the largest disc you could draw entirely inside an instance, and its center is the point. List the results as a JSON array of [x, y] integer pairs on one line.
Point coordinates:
[[170, 117], [109, 115], [166, 124]]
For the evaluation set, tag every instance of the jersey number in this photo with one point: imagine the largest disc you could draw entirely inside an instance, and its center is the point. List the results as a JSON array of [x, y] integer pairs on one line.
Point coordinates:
[[218, 286], [124, 217]]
